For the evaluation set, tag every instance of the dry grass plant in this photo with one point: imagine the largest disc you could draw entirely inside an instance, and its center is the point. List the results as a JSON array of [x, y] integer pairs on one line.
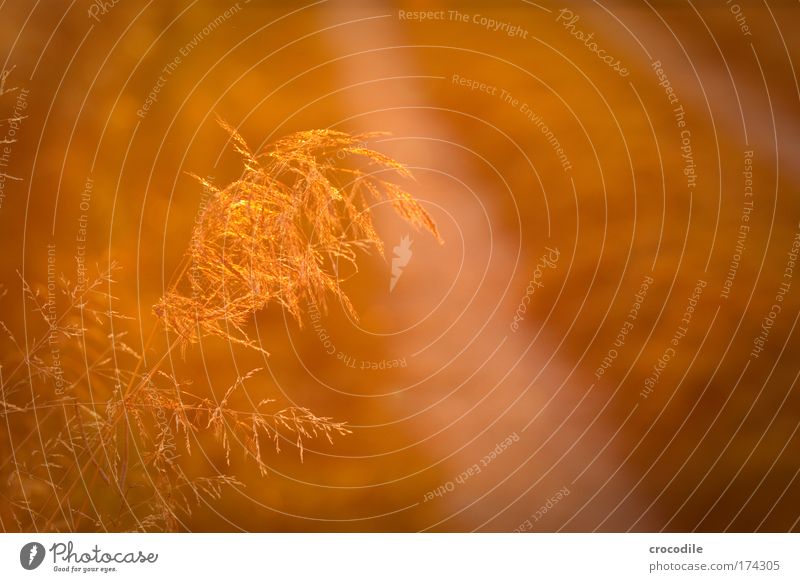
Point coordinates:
[[283, 232], [95, 432]]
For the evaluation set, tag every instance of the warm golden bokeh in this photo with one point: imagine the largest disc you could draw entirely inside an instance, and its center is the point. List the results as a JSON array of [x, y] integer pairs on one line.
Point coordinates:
[[605, 339]]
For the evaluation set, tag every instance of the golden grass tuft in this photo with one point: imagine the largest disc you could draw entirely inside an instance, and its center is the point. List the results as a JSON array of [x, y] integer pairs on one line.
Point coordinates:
[[284, 231], [97, 432]]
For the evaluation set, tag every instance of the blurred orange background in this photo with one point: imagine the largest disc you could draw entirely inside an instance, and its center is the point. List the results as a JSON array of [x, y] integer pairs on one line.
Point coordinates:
[[465, 90]]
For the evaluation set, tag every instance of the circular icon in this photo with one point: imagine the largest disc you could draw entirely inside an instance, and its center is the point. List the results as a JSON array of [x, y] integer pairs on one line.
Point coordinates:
[[31, 555]]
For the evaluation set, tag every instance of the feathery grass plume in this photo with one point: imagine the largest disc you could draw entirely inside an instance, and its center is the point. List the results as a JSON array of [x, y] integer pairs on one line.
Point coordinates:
[[283, 231], [89, 454], [98, 435]]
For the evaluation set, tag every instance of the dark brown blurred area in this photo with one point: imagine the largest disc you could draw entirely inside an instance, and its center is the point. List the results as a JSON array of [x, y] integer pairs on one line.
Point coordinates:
[[522, 141]]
